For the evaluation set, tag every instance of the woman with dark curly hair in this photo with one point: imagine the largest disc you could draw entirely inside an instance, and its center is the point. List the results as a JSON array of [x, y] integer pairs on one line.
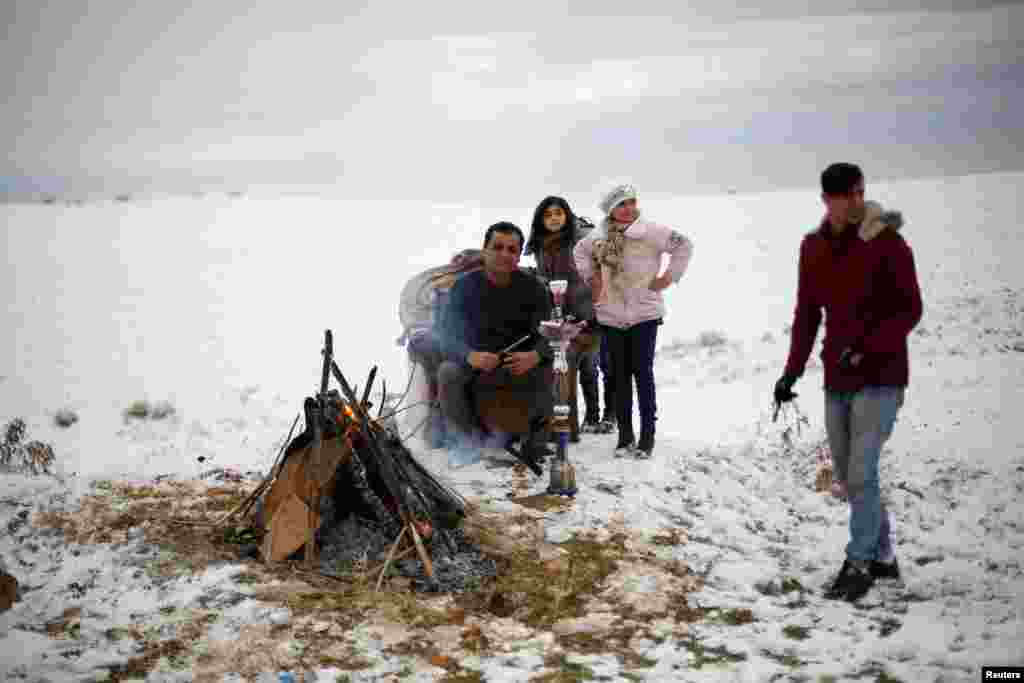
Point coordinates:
[[554, 233]]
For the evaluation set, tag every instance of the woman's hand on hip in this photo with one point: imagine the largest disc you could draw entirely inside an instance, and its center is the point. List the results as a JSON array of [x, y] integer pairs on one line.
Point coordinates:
[[660, 282]]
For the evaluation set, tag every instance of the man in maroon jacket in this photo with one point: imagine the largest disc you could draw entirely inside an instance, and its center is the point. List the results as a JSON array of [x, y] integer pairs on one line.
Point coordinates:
[[858, 268]]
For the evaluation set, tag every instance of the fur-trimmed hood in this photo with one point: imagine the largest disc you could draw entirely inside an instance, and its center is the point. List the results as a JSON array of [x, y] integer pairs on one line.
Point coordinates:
[[876, 220]]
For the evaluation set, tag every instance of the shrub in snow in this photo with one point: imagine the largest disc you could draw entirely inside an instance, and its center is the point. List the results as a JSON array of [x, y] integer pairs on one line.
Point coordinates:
[[65, 417], [8, 588], [143, 409], [14, 432], [33, 457], [710, 339], [161, 410], [139, 409], [677, 344]]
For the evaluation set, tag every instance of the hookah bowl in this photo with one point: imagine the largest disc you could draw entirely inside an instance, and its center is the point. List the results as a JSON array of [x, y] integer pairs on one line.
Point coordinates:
[[560, 333]]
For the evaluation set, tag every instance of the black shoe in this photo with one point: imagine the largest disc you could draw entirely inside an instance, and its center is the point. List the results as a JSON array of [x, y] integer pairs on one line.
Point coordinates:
[[646, 446], [851, 583], [530, 455], [626, 444], [885, 570]]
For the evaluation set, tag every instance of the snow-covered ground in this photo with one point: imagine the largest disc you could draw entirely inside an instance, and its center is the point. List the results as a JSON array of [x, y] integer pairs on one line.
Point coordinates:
[[218, 305]]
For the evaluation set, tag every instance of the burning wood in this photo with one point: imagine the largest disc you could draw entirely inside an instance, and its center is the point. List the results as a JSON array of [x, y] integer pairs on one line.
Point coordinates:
[[340, 437]]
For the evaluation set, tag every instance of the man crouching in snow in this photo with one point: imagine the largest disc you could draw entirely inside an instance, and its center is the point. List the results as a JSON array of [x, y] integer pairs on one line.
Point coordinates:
[[861, 271], [488, 311]]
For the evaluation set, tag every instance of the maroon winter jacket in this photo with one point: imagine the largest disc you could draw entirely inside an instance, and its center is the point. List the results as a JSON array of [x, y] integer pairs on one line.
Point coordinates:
[[865, 281]]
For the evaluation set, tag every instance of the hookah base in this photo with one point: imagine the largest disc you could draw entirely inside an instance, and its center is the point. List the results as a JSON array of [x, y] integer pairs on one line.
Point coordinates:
[[563, 479]]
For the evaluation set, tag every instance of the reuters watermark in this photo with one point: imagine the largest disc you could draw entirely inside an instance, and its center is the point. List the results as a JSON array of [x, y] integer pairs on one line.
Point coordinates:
[[1002, 673]]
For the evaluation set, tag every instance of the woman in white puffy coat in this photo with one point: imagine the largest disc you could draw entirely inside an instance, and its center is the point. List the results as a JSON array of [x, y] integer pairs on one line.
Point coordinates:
[[622, 259]]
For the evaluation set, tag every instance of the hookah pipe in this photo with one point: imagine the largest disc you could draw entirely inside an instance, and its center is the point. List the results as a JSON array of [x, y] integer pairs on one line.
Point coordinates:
[[561, 332]]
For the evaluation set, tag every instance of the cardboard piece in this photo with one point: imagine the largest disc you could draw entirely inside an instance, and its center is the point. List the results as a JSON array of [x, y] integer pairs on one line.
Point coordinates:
[[300, 480], [287, 531]]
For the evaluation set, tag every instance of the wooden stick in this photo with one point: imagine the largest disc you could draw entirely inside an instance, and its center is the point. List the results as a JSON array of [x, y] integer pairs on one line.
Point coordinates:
[[399, 555], [391, 556], [307, 572], [366, 391], [251, 497], [276, 468], [427, 564], [267, 481], [192, 522]]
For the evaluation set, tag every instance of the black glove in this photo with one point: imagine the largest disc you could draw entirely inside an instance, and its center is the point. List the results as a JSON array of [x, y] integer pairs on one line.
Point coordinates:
[[784, 389]]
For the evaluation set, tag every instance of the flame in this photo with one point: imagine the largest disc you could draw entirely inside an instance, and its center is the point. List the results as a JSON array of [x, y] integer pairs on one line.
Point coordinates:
[[347, 419], [353, 426]]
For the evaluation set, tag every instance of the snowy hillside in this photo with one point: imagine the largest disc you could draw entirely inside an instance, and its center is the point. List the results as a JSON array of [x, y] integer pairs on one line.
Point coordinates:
[[218, 305]]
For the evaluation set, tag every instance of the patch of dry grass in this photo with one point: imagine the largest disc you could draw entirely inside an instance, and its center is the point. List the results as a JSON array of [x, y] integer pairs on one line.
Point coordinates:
[[176, 516], [538, 585]]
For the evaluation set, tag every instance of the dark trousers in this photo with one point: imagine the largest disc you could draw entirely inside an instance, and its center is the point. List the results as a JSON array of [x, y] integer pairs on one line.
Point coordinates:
[[605, 362], [582, 357], [588, 382], [631, 354], [457, 381]]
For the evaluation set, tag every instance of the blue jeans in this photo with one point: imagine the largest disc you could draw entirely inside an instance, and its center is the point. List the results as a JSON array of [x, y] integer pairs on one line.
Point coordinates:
[[858, 424]]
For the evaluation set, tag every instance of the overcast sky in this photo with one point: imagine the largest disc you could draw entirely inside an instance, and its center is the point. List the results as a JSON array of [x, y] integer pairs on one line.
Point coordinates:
[[465, 101]]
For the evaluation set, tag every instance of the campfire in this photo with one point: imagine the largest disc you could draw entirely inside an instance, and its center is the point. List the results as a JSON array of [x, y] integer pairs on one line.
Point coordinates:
[[347, 488]]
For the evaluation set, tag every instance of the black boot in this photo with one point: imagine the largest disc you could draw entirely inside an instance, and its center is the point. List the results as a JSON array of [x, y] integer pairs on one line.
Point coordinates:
[[535, 441], [607, 425], [626, 443], [588, 382], [609, 421], [852, 582], [645, 448], [885, 570], [535, 447]]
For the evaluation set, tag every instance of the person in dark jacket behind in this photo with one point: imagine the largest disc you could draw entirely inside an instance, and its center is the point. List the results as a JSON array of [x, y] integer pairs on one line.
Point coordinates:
[[488, 311], [553, 235], [859, 269]]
